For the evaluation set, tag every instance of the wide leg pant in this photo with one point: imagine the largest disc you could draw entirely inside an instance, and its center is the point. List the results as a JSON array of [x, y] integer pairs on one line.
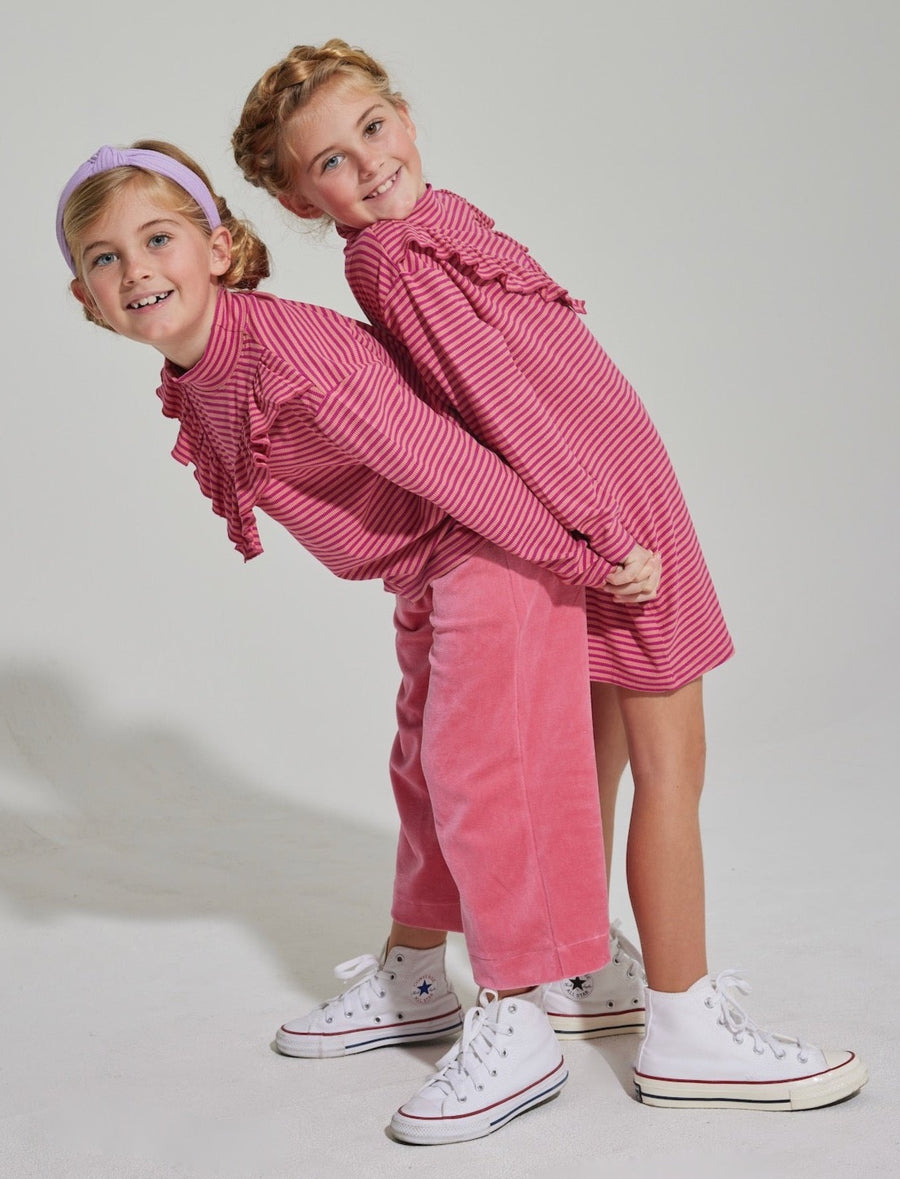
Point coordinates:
[[494, 775]]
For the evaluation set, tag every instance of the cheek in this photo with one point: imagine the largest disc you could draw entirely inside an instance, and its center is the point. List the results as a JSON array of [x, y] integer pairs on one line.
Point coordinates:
[[94, 294]]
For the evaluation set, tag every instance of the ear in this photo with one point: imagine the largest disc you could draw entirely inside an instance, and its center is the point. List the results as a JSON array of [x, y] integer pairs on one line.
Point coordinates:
[[220, 243], [84, 297], [406, 119], [299, 207]]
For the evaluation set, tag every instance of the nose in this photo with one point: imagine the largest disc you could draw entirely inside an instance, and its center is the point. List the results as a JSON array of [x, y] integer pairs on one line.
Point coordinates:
[[369, 162], [135, 267]]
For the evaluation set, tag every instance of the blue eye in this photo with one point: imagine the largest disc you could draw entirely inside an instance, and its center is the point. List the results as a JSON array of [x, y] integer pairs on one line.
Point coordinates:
[[159, 239], [331, 163], [104, 259]]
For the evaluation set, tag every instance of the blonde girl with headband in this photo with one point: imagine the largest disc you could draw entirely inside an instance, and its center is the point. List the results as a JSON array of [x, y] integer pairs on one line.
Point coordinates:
[[502, 345], [303, 414]]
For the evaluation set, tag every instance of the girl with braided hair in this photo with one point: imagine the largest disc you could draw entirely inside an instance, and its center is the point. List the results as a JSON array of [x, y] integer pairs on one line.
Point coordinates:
[[502, 345]]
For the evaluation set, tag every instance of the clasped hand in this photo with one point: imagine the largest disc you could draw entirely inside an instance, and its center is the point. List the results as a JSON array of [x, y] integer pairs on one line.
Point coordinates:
[[636, 579]]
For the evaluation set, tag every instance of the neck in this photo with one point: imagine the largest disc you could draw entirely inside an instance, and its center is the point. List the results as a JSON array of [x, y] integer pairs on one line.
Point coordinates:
[[185, 352]]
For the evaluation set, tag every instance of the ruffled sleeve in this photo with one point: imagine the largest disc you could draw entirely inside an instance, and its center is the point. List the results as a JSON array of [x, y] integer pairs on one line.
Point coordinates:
[[488, 256], [454, 330], [224, 435]]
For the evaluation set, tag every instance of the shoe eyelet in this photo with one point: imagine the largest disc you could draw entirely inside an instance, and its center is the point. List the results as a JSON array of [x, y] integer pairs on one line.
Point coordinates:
[[463, 1098], [617, 960], [366, 1006], [512, 1010], [503, 1052], [329, 1019], [480, 1088], [493, 1072], [377, 1019], [634, 1002], [759, 1051], [393, 976], [708, 1003], [610, 1003], [780, 1055], [803, 1059], [399, 1014], [399, 959], [381, 994]]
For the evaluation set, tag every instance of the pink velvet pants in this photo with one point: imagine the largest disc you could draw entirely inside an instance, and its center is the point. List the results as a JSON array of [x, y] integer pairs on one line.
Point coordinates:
[[494, 775]]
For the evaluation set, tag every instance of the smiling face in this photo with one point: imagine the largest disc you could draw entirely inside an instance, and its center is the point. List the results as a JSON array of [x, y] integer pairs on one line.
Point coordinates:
[[356, 157], [151, 274]]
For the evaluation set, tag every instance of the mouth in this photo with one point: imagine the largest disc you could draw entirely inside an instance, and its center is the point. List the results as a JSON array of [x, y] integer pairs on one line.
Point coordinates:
[[383, 188], [148, 301]]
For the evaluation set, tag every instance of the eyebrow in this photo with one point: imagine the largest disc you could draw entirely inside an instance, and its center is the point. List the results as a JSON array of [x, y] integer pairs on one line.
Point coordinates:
[[141, 229], [363, 118]]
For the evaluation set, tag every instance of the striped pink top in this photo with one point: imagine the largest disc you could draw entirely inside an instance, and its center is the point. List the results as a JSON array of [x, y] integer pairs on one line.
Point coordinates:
[[301, 412], [502, 344]]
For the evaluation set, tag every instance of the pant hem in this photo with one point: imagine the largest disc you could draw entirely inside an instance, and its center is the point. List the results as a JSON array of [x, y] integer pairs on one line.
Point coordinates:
[[541, 966]]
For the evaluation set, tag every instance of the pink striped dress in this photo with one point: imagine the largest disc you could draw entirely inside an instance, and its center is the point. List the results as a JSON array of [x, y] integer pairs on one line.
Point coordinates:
[[500, 343], [302, 413]]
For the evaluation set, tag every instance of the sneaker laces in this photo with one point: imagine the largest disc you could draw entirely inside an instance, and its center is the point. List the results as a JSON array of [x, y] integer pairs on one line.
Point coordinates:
[[733, 1017], [364, 991], [622, 947], [467, 1061]]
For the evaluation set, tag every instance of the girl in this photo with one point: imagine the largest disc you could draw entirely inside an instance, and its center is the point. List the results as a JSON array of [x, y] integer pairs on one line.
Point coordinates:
[[499, 342], [302, 413]]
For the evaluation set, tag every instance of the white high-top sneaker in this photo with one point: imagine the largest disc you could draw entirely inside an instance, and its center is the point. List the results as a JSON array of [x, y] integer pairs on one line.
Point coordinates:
[[701, 1049], [507, 1061], [404, 998], [607, 1002]]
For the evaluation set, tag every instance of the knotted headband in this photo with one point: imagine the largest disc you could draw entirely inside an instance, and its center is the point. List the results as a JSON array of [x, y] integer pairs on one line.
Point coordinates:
[[106, 158]]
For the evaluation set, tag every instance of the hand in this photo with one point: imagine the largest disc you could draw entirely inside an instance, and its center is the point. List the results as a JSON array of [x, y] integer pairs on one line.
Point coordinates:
[[636, 579]]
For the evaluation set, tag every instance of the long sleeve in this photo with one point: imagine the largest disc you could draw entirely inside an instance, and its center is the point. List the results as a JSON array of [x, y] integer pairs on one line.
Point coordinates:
[[377, 420], [470, 364]]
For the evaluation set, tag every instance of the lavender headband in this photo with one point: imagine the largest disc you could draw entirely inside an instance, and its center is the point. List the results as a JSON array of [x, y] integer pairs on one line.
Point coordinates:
[[106, 158]]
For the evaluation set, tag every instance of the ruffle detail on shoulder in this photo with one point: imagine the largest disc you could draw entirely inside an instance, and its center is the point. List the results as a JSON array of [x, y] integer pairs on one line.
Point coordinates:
[[502, 260], [231, 468]]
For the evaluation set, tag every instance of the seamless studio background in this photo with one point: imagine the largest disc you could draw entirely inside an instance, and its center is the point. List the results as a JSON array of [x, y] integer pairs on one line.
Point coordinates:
[[195, 818]]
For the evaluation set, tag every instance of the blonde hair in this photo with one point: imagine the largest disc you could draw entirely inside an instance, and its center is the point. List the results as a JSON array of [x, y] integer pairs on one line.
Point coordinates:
[[249, 256], [260, 145]]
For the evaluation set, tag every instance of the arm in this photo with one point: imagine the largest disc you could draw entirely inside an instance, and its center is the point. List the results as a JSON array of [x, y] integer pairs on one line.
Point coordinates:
[[469, 362], [374, 417]]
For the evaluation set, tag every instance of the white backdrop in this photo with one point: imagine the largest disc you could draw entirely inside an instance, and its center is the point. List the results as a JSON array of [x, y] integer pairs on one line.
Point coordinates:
[[718, 180]]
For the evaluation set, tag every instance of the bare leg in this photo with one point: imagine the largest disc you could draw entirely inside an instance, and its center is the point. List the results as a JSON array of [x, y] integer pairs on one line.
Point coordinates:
[[414, 938], [611, 753], [665, 860]]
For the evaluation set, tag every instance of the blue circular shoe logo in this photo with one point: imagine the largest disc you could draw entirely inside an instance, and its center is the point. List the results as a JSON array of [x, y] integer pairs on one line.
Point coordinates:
[[424, 988]]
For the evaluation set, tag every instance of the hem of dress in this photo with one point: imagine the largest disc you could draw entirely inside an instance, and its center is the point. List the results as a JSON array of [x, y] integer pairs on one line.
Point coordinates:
[[659, 684]]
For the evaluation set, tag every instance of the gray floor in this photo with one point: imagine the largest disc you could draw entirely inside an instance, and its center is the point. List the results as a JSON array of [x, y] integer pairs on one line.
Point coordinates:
[[160, 918]]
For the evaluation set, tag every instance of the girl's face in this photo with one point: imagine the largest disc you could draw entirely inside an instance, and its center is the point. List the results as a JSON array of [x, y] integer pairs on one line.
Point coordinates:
[[356, 156], [151, 274]]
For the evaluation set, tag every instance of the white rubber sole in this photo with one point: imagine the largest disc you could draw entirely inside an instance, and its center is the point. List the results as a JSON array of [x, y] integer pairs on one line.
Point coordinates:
[[326, 1045], [593, 1025], [795, 1093], [436, 1131]]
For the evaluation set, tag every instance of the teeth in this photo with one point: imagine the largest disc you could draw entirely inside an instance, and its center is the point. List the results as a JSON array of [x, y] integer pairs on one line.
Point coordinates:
[[150, 299], [382, 188]]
